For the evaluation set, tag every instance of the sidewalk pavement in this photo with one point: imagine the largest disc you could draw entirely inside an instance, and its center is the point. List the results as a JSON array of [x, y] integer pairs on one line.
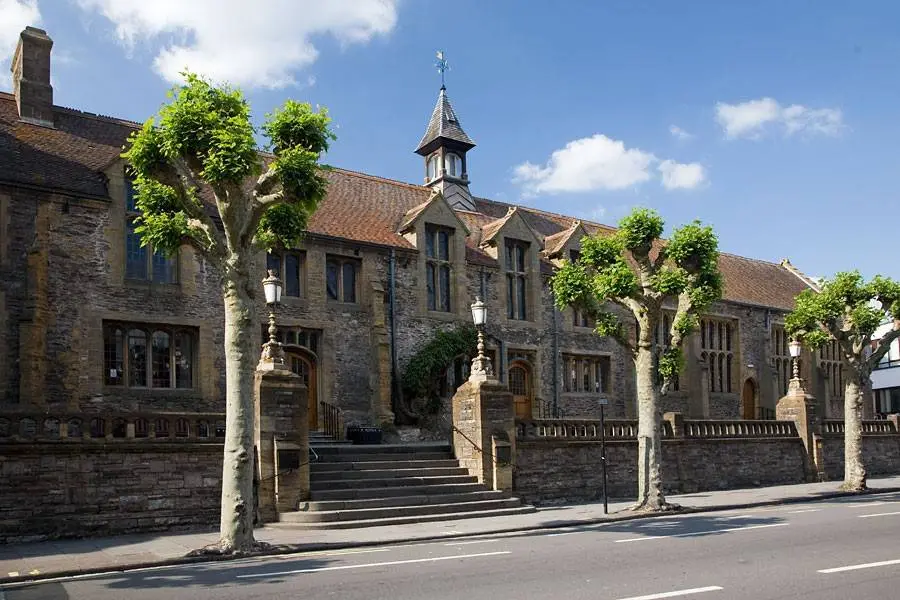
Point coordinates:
[[43, 560]]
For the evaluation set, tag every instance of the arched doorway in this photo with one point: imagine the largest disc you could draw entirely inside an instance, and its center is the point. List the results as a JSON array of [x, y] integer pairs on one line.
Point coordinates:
[[303, 363], [748, 399], [520, 385]]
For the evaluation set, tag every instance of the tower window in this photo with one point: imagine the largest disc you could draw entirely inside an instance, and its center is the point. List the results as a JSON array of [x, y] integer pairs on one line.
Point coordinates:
[[453, 165], [433, 164]]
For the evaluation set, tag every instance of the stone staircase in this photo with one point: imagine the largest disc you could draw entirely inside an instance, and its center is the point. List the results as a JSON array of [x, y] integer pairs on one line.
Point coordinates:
[[362, 486]]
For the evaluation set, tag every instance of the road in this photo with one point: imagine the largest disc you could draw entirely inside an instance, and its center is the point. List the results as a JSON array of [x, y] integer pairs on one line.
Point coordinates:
[[827, 550]]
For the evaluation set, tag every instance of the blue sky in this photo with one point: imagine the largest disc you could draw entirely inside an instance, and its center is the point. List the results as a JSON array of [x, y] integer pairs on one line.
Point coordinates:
[[775, 121]]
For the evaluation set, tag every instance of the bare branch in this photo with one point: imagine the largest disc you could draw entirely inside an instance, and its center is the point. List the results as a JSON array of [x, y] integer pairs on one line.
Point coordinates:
[[266, 182], [884, 345], [179, 176]]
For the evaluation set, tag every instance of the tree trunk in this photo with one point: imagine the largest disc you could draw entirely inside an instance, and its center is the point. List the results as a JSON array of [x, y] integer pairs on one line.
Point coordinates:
[[241, 356], [854, 469], [650, 496]]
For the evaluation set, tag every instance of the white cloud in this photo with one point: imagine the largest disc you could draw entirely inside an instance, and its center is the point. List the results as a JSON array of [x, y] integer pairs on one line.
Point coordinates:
[[592, 163], [14, 16], [679, 133], [750, 119], [257, 44], [602, 163], [678, 176]]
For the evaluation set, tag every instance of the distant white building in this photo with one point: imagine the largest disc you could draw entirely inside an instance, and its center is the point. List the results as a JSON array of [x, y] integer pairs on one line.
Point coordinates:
[[886, 376]]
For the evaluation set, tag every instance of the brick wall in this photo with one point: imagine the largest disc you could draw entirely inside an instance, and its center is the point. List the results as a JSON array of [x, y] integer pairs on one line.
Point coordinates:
[[82, 489]]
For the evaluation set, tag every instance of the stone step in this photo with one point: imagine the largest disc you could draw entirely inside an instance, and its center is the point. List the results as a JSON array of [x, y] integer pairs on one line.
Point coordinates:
[[387, 473], [317, 467], [364, 514], [347, 484], [365, 493], [364, 449], [402, 520], [412, 500], [327, 456]]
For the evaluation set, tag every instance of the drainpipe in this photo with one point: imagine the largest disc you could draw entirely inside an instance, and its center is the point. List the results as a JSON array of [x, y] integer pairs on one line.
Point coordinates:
[[395, 383], [555, 361]]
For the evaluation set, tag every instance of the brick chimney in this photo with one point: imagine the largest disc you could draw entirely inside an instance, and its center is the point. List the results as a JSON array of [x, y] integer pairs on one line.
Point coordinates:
[[31, 77]]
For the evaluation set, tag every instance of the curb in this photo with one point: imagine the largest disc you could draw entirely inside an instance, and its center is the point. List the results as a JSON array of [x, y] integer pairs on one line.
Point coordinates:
[[282, 549]]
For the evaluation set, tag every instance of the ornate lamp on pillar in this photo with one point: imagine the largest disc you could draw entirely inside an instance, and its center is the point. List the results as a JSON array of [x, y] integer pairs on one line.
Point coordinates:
[[795, 384], [273, 354], [799, 406], [481, 364]]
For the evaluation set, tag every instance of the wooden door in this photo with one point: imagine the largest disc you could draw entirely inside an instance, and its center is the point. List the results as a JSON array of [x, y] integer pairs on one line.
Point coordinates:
[[748, 400], [305, 366], [520, 386]]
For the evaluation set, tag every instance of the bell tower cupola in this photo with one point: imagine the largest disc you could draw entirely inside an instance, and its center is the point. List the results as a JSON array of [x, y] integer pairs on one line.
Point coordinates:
[[444, 147]]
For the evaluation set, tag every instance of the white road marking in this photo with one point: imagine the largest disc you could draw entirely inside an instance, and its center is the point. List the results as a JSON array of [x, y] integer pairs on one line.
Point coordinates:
[[864, 504], [340, 552], [563, 533], [738, 517], [471, 542], [711, 588], [368, 565], [879, 515], [883, 563], [696, 533], [805, 510]]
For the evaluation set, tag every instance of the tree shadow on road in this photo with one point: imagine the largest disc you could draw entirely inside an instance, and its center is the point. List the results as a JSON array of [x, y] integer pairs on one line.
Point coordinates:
[[672, 524]]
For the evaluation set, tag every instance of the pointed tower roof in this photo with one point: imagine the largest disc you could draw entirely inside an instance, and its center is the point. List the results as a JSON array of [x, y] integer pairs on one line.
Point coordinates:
[[443, 124]]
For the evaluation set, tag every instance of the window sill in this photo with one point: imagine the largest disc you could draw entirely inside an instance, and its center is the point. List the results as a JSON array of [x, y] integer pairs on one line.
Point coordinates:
[[443, 316], [147, 284], [143, 391]]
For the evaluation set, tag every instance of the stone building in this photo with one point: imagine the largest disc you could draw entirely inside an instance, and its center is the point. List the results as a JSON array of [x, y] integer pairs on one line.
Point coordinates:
[[92, 322]]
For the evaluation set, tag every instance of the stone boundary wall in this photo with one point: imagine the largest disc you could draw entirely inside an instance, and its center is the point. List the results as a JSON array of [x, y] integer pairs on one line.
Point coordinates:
[[556, 470], [559, 460], [90, 488]]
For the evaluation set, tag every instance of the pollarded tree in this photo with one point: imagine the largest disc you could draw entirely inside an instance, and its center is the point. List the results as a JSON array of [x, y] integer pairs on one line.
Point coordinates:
[[201, 181], [848, 310], [637, 271]]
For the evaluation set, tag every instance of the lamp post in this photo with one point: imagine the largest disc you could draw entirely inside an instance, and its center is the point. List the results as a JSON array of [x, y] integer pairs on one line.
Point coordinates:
[[794, 347], [481, 364], [273, 353]]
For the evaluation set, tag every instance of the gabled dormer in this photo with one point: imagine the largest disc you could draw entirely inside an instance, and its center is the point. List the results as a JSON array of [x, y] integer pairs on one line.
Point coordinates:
[[440, 237], [444, 147], [517, 248], [565, 245]]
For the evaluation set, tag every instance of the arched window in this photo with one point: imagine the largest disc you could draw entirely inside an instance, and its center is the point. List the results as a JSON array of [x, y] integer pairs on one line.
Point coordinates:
[[433, 167], [453, 165]]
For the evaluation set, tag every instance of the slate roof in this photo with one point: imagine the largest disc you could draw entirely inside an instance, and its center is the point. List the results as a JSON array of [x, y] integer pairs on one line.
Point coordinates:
[[358, 207], [444, 123]]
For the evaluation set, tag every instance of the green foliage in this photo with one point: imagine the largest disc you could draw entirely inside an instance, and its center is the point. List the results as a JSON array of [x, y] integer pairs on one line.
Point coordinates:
[[213, 125], [601, 251], [671, 361], [571, 285], [846, 304], [296, 125], [608, 325], [428, 364], [615, 281], [165, 232], [686, 323], [207, 131], [640, 228], [670, 281], [282, 226]]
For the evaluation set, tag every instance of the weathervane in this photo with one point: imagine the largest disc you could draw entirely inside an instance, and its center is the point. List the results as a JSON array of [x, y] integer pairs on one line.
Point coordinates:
[[442, 66]]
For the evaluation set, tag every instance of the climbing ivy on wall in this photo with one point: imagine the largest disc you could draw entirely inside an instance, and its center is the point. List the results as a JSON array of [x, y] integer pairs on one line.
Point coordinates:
[[421, 378]]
